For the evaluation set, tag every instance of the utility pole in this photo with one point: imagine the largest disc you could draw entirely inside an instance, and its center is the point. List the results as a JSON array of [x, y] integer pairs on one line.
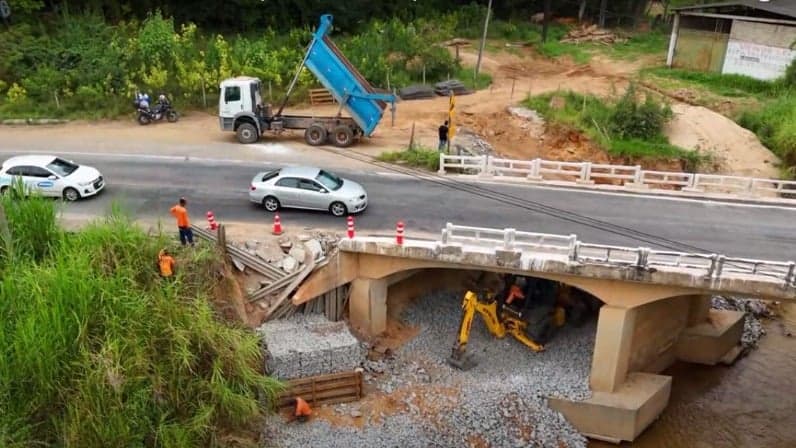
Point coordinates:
[[546, 20], [603, 7], [483, 39]]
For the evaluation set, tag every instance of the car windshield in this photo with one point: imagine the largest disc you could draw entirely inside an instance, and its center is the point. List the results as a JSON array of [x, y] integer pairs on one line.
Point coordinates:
[[61, 167], [329, 180]]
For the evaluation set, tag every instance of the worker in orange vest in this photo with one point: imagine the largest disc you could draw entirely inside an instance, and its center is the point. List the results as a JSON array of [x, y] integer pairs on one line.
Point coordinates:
[[183, 223], [165, 263], [302, 411]]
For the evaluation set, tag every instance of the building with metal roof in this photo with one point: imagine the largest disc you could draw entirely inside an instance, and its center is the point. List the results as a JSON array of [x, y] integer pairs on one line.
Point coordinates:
[[748, 37]]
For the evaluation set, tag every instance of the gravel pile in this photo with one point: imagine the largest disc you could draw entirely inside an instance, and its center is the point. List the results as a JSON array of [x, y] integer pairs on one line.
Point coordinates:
[[755, 310], [307, 345], [500, 402]]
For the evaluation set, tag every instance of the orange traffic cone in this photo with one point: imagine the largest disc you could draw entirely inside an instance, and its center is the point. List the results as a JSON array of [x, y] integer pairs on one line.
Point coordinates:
[[277, 225]]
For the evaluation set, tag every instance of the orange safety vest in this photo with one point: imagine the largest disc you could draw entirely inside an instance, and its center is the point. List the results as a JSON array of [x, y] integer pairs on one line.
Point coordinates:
[[514, 293], [181, 214], [166, 263], [302, 408]]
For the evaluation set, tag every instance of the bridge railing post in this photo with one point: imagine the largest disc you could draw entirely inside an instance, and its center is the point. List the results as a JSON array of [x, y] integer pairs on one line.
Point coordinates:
[[789, 277], [508, 238], [716, 265], [642, 257], [573, 247]]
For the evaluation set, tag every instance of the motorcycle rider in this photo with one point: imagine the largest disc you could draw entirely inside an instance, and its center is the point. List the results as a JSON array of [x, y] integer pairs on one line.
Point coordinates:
[[162, 105]]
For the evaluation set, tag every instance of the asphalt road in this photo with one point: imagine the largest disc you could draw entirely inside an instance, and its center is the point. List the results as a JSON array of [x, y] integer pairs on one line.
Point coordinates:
[[149, 187]]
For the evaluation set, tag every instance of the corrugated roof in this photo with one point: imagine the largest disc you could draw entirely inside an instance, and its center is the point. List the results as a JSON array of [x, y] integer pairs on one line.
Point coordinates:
[[785, 8]]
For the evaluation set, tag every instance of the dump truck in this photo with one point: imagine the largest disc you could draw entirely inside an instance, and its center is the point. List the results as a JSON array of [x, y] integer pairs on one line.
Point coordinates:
[[241, 107]]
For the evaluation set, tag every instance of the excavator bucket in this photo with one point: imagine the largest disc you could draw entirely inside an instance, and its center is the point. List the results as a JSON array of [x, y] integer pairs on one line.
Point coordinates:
[[462, 361]]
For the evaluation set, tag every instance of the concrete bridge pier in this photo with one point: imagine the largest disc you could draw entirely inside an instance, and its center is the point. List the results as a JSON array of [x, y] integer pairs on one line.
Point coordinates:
[[633, 344]]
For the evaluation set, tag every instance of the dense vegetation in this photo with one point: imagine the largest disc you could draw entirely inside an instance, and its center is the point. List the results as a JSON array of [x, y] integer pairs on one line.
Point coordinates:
[[87, 58], [97, 350], [631, 128]]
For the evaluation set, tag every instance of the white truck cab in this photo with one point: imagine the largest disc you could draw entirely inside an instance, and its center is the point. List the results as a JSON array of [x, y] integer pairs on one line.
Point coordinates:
[[238, 105]]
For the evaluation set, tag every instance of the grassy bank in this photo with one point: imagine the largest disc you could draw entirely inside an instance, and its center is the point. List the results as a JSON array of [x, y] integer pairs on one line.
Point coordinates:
[[418, 157], [97, 350], [625, 128]]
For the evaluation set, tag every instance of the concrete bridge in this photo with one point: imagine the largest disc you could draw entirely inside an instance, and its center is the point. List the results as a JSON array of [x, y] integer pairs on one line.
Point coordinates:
[[656, 304]]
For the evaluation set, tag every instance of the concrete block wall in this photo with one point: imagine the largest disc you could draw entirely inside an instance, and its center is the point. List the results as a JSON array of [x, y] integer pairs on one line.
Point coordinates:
[[308, 345]]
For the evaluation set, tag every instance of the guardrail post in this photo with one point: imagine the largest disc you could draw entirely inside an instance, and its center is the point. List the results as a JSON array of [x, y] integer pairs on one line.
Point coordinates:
[[789, 277], [485, 165], [638, 175], [441, 163], [693, 183], [642, 257], [445, 237], [585, 173], [535, 165], [716, 265], [573, 247], [508, 238]]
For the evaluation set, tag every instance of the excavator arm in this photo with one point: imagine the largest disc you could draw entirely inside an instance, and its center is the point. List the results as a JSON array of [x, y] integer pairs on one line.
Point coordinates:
[[470, 305]]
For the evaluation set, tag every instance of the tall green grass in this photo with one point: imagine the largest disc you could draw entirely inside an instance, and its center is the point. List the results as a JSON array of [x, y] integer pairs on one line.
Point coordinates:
[[775, 125], [416, 157], [720, 84], [97, 350]]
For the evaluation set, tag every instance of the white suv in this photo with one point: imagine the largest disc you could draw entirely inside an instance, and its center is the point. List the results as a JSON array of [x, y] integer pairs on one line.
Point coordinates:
[[51, 176]]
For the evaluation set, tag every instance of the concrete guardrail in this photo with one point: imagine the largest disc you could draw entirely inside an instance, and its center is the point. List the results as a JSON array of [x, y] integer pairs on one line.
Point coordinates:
[[631, 178], [714, 266]]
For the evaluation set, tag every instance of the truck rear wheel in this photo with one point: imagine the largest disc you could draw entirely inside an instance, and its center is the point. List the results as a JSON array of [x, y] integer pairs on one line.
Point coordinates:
[[247, 133], [315, 135], [343, 136]]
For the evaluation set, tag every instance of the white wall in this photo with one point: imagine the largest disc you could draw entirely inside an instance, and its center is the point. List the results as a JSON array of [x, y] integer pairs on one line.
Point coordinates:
[[759, 50]]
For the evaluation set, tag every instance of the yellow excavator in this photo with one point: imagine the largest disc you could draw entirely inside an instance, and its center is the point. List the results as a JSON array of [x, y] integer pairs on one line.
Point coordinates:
[[499, 320]]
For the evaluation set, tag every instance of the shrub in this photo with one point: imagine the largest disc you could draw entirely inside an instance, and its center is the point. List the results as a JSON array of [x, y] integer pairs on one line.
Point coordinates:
[[633, 120], [17, 94], [417, 157]]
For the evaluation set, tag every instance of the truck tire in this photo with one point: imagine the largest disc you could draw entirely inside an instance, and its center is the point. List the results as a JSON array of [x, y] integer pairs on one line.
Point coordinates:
[[343, 136], [247, 133], [315, 135]]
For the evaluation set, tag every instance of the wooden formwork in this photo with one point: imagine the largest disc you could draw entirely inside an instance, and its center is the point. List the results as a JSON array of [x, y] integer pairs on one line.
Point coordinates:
[[321, 96], [333, 388]]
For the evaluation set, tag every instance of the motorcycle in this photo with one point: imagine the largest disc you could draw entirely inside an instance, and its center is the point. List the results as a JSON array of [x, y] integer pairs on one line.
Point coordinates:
[[162, 109]]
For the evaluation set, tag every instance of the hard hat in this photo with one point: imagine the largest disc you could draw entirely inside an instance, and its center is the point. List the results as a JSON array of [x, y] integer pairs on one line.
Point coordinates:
[[162, 97]]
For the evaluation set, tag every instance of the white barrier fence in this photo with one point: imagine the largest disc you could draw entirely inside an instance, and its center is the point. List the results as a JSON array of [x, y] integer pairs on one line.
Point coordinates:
[[629, 177], [712, 265]]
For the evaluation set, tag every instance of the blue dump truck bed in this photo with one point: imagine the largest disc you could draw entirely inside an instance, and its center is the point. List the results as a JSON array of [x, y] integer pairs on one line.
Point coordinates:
[[346, 84]]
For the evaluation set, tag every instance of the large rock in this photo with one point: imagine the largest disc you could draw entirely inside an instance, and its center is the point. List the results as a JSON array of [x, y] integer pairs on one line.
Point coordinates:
[[270, 253], [314, 246], [289, 264], [298, 253]]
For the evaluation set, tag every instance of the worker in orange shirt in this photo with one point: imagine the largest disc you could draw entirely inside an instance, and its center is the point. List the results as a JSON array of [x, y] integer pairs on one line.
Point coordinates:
[[302, 411], [166, 264], [183, 223]]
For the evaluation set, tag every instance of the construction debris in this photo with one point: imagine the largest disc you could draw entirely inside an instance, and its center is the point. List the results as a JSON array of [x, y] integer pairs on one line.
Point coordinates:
[[591, 33], [466, 142], [444, 88], [416, 92]]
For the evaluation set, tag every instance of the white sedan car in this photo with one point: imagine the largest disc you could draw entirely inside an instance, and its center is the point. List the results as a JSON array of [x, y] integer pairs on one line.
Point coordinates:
[[51, 176], [308, 188]]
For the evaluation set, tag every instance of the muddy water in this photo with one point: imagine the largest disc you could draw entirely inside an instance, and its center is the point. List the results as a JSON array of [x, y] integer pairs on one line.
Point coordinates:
[[749, 404]]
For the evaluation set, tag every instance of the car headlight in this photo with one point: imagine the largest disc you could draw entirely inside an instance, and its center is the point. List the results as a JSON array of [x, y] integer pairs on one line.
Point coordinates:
[[85, 184]]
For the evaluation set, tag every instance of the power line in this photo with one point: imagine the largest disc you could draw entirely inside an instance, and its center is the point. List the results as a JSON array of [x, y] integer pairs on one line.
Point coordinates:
[[532, 206]]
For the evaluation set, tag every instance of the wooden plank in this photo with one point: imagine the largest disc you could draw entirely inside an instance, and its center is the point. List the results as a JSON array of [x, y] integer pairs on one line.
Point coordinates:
[[313, 397], [323, 385], [336, 400], [321, 378]]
